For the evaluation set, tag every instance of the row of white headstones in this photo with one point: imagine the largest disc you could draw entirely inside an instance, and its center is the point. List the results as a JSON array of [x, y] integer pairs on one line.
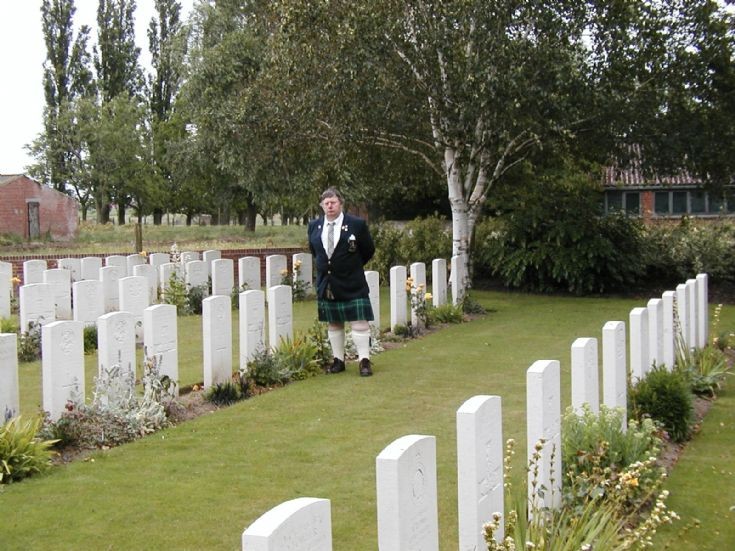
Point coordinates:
[[121, 309], [406, 472]]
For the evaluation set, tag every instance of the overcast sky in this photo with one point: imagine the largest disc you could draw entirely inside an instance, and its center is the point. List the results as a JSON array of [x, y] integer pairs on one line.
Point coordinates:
[[22, 52]]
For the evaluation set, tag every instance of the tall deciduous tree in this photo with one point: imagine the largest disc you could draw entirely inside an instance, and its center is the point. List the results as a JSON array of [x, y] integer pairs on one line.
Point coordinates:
[[67, 75]]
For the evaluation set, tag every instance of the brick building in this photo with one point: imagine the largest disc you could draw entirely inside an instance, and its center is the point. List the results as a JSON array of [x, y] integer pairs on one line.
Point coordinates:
[[33, 211]]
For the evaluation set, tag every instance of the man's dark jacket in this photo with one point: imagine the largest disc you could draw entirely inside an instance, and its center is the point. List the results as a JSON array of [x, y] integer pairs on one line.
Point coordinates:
[[344, 273]]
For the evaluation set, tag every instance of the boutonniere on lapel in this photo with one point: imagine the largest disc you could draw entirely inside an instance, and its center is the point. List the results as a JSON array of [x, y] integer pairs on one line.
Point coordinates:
[[351, 243], [345, 228]]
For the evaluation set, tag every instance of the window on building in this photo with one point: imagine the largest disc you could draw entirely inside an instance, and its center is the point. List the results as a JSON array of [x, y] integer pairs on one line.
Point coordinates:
[[716, 203], [632, 202], [697, 202], [614, 200], [679, 202], [661, 203]]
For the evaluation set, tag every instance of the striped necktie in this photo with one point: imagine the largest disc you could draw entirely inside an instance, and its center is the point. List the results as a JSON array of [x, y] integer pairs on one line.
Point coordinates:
[[330, 238]]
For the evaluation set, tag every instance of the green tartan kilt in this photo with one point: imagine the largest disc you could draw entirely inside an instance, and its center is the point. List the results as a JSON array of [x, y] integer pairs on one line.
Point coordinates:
[[339, 311]]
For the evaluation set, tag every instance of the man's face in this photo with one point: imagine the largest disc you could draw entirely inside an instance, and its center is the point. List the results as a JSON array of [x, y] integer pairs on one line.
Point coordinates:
[[331, 207]]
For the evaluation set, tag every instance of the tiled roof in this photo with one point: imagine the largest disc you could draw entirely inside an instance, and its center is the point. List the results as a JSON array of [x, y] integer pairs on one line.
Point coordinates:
[[634, 176], [7, 178]]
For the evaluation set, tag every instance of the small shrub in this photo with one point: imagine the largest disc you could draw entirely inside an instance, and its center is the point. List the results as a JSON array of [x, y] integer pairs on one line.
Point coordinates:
[[90, 339], [447, 313], [402, 331], [299, 287], [29, 343], [388, 251], [297, 356], [596, 452], [8, 325], [708, 370], [265, 370], [195, 297], [223, 394], [664, 396], [320, 339], [176, 293], [22, 452], [471, 306]]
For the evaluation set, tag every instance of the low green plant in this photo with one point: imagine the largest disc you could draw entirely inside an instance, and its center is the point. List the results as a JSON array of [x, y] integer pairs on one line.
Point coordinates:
[[665, 396], [596, 451], [223, 394], [708, 370], [447, 313], [265, 369], [8, 325], [194, 298], [319, 338], [235, 295], [90, 339], [297, 356], [299, 287], [29, 343], [401, 330], [471, 306], [176, 293], [22, 452]]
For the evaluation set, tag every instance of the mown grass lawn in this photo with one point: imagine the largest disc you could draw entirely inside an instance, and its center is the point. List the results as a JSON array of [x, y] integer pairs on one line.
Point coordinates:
[[198, 485]]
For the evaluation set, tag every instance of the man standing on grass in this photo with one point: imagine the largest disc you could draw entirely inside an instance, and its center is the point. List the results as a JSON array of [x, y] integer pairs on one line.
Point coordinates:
[[341, 245]]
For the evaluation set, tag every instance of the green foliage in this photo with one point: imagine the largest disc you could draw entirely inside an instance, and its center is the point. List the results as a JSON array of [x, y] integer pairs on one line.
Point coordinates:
[[665, 396], [176, 293], [553, 237], [471, 306], [22, 452], [707, 371], [29, 343], [265, 370], [235, 295], [298, 356], [90, 339], [319, 337], [194, 299], [299, 287], [388, 249], [447, 313], [596, 452], [675, 253], [8, 325], [223, 394]]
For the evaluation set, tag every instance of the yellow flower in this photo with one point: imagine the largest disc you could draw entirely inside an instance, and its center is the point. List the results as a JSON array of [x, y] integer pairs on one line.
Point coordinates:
[[297, 264], [428, 296], [15, 280], [143, 253], [284, 272]]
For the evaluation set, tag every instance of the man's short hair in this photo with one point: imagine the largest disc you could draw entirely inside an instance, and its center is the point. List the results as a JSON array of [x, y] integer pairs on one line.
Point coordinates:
[[331, 192]]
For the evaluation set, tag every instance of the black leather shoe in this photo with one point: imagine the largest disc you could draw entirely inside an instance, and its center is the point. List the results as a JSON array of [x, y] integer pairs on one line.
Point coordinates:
[[338, 366], [365, 369]]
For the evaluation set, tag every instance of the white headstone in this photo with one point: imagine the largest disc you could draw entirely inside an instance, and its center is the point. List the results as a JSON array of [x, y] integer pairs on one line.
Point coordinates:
[[280, 314], [60, 280], [196, 275], [691, 290], [439, 281], [418, 275], [156, 259], [639, 356], [655, 308], [275, 265], [150, 273], [36, 305], [217, 331], [668, 300], [133, 260], [248, 272], [91, 267], [479, 469], [252, 325], [681, 313], [134, 297], [543, 410], [62, 365], [89, 301], [223, 276], [188, 256], [160, 339], [33, 271], [74, 265], [614, 368], [373, 281], [165, 271], [585, 378], [398, 297], [702, 309], [9, 390], [116, 342], [210, 256], [305, 272], [302, 524], [407, 495], [118, 261], [110, 277], [6, 288]]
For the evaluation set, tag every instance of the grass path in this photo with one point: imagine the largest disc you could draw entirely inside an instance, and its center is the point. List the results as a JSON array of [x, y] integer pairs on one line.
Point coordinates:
[[198, 485]]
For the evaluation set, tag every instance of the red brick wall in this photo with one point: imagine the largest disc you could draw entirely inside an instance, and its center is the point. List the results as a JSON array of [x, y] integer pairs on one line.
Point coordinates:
[[58, 213]]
